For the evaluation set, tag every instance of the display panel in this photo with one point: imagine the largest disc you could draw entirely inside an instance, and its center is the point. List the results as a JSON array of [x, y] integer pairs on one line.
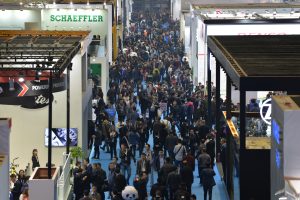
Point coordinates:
[[59, 137]]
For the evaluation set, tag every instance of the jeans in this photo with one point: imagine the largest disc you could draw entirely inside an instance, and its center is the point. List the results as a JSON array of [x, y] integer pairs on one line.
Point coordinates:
[[133, 150], [126, 168], [113, 149], [209, 190]]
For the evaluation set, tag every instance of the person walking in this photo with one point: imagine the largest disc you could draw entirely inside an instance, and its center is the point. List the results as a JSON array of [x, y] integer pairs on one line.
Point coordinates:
[[204, 161], [208, 181], [179, 153]]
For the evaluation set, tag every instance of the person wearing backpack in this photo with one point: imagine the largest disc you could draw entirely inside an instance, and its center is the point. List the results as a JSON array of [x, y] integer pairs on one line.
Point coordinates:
[[179, 153]]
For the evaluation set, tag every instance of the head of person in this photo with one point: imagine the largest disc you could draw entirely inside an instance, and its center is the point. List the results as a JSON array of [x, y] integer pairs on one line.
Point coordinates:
[[25, 193], [94, 166], [34, 152], [168, 160], [193, 197], [86, 193], [179, 141], [143, 156], [161, 153], [86, 161], [13, 178], [21, 173], [147, 147]]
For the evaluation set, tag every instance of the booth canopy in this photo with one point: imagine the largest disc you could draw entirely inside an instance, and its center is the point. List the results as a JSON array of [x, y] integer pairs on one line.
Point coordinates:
[[259, 63], [28, 52]]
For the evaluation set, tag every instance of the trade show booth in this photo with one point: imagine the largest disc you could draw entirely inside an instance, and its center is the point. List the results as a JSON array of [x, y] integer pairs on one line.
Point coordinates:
[[5, 125], [26, 101], [285, 168], [249, 65], [243, 19]]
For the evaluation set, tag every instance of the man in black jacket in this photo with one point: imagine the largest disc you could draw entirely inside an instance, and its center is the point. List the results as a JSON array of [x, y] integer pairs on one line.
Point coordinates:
[[119, 181], [98, 178], [187, 176], [166, 169], [143, 165]]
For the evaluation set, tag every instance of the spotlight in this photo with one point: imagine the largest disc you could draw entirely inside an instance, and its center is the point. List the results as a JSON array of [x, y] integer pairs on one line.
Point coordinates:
[[21, 3], [21, 79], [87, 3], [54, 3], [71, 3]]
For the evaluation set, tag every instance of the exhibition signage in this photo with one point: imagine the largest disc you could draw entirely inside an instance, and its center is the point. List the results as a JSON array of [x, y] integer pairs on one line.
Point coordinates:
[[76, 18], [265, 111], [30, 94]]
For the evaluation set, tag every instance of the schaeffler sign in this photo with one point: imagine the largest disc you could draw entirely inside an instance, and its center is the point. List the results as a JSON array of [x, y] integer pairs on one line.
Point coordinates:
[[265, 111], [76, 18]]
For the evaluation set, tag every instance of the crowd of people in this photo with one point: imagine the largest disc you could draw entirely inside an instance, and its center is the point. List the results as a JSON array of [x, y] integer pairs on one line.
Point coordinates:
[[151, 94]]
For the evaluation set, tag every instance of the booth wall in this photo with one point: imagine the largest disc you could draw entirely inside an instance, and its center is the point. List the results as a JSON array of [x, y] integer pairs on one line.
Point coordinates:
[[20, 19], [27, 132], [4, 167], [255, 174], [176, 9]]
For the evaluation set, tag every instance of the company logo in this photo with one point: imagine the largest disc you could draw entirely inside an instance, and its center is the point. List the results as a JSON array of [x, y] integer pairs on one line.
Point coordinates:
[[76, 18], [265, 111]]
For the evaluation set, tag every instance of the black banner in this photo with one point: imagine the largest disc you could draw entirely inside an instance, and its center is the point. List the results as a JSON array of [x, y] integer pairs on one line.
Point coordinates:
[[29, 94]]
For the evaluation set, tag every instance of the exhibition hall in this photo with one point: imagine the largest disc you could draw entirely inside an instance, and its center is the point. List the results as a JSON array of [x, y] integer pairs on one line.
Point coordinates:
[[149, 99]]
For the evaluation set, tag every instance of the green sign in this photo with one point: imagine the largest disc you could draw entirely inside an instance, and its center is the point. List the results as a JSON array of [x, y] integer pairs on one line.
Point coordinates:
[[96, 69], [76, 18]]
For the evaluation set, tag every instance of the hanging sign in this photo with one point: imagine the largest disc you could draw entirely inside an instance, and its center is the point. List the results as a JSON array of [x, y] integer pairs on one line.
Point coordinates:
[[30, 94]]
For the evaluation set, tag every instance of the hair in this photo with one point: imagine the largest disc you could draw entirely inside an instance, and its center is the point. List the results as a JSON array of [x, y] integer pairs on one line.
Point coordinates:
[[87, 160], [34, 150], [86, 193], [148, 145], [168, 159], [25, 192]]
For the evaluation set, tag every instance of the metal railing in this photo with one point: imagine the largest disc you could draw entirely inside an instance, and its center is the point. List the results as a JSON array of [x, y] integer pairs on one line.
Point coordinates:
[[63, 183]]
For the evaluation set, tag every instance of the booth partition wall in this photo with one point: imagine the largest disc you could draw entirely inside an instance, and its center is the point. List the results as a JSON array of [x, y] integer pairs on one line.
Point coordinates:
[[249, 64]]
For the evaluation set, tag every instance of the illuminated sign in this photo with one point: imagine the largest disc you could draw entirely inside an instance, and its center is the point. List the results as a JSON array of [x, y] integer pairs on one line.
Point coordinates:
[[265, 111], [278, 158], [276, 131], [76, 18]]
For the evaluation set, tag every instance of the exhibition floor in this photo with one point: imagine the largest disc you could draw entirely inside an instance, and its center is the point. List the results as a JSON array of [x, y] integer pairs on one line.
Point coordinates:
[[218, 191]]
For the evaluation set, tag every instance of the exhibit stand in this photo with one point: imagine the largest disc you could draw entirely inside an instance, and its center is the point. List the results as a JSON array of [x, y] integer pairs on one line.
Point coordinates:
[[40, 187], [285, 162], [4, 158], [227, 20]]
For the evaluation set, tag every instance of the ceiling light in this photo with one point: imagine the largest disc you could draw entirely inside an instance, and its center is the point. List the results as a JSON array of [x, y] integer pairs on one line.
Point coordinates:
[[54, 3], [21, 3], [71, 3], [21, 79], [87, 3]]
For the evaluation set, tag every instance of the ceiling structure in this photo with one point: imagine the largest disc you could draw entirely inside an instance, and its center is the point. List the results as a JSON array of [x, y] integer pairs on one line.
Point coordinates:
[[259, 63], [29, 52]]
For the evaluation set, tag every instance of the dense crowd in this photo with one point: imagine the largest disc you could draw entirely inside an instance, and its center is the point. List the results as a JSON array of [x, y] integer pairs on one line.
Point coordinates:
[[151, 94]]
